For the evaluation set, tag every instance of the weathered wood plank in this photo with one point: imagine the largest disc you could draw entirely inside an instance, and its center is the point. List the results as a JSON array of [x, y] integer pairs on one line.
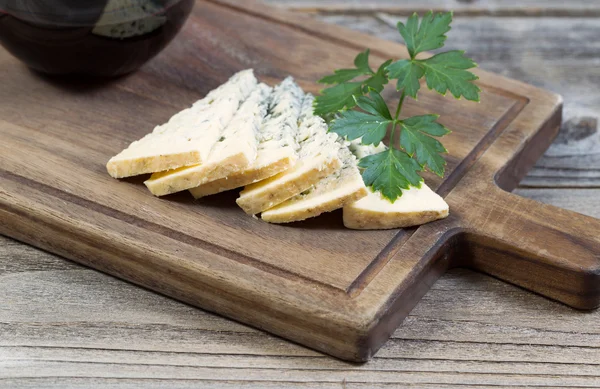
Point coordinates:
[[258, 374], [461, 7], [584, 201], [85, 383], [543, 52], [573, 160], [66, 326]]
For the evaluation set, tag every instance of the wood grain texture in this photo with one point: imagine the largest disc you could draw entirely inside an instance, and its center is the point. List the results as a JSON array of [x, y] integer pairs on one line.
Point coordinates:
[[469, 324], [213, 256], [65, 326], [584, 8], [319, 384], [584, 201]]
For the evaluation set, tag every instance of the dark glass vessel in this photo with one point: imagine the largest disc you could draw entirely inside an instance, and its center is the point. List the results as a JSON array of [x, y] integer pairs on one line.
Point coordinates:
[[90, 37]]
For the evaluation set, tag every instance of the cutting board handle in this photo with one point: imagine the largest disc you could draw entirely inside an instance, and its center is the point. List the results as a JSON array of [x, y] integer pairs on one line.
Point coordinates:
[[546, 249]]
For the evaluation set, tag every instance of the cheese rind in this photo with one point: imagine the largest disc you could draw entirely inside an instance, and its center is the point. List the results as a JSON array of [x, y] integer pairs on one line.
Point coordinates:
[[251, 175], [331, 193], [233, 152], [277, 189], [317, 158], [416, 206], [188, 137], [277, 144]]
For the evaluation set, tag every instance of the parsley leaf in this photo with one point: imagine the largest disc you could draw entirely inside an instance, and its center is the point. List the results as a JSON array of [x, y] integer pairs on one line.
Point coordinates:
[[337, 98], [447, 71], [417, 138], [408, 73], [342, 95], [391, 171], [379, 79], [343, 75], [444, 71], [362, 61], [430, 35], [371, 125], [375, 105], [354, 124]]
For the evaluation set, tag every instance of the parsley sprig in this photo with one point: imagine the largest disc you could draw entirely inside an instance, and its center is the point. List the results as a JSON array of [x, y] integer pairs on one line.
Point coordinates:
[[342, 95], [398, 167]]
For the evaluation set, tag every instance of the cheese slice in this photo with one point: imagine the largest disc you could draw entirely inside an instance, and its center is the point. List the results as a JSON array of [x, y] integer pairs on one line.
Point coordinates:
[[188, 137], [331, 193], [235, 149], [277, 144], [416, 206], [317, 158]]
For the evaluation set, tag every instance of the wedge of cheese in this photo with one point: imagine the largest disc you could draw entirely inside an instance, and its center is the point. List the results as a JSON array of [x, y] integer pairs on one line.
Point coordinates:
[[317, 158], [188, 137], [277, 144], [331, 193], [234, 151], [416, 206]]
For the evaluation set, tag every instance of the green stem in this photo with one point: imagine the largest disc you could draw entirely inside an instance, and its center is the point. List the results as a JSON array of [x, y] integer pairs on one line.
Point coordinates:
[[400, 105], [402, 96]]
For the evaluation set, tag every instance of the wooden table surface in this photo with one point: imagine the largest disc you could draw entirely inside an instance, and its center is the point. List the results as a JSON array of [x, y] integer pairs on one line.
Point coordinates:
[[65, 326]]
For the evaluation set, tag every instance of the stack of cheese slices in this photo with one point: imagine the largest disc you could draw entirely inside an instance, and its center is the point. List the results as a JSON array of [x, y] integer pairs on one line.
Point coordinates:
[[268, 141]]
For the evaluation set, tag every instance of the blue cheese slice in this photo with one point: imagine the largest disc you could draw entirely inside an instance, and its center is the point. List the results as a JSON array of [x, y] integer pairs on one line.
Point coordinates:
[[188, 137], [333, 192], [277, 144], [234, 151], [416, 206], [317, 158]]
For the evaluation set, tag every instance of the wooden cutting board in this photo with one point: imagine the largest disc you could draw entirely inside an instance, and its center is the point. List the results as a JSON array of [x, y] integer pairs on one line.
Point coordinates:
[[339, 291]]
